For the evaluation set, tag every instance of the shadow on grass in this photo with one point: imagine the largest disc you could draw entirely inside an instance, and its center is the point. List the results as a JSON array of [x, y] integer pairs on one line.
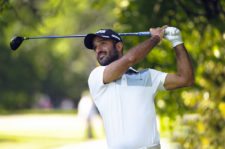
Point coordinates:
[[4, 140]]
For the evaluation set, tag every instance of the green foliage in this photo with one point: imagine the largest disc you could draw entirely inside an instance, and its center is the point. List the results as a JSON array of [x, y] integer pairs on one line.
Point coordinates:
[[58, 68], [202, 26]]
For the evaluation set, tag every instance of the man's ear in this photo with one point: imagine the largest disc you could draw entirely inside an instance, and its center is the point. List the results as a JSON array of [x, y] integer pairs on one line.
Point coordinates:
[[119, 46]]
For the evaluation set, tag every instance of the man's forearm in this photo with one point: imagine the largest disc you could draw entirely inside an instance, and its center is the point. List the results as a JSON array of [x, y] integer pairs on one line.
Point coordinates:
[[184, 65], [138, 52]]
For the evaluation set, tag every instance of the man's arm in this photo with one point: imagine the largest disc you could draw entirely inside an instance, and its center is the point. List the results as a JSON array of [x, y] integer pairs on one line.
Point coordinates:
[[117, 68], [184, 75]]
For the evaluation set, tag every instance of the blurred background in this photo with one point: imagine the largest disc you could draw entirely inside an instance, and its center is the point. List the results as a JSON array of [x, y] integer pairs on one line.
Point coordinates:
[[44, 99]]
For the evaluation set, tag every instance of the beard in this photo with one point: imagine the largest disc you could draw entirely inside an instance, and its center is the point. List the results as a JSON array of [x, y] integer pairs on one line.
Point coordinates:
[[108, 58]]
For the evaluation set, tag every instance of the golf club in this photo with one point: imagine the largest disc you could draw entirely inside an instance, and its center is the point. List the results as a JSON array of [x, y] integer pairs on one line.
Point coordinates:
[[18, 40]]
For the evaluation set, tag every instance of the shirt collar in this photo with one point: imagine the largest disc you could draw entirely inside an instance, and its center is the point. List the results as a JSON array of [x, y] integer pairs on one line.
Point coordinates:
[[131, 70]]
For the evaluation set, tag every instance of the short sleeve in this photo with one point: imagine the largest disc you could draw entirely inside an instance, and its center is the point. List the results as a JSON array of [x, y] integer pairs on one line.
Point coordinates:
[[158, 78], [95, 80]]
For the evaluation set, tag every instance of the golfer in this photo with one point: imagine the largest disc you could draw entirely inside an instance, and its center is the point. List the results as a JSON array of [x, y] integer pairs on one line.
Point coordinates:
[[125, 96]]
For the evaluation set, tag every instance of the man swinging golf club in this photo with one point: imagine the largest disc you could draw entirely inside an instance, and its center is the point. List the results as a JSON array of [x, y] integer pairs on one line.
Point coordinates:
[[125, 96]]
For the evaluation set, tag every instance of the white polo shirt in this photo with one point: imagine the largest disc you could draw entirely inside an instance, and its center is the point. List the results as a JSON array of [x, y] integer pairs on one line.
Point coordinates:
[[127, 107]]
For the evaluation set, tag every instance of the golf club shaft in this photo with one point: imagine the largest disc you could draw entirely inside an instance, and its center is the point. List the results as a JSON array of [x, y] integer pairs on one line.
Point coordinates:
[[78, 36], [136, 34]]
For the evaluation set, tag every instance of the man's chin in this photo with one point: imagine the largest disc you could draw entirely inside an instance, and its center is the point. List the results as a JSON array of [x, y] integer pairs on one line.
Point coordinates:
[[104, 63], [107, 60]]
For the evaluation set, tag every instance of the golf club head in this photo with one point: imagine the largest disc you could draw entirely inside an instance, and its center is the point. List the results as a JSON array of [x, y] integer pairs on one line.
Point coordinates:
[[16, 42]]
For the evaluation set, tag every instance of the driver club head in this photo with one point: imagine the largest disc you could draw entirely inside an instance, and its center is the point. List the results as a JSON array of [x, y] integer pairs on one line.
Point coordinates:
[[16, 42]]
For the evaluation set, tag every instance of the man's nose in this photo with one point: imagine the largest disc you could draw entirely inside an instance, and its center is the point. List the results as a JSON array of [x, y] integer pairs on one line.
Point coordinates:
[[98, 49]]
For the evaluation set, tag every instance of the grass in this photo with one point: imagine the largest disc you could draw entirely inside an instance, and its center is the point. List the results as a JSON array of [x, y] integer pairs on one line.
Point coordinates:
[[32, 142], [44, 130], [53, 129], [37, 111]]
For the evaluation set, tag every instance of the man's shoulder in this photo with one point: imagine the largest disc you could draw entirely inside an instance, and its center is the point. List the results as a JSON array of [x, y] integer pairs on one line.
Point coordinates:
[[146, 70], [152, 72], [96, 73], [97, 69]]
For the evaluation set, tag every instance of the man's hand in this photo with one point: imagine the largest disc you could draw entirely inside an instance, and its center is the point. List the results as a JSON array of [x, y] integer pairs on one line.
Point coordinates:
[[159, 31], [173, 35]]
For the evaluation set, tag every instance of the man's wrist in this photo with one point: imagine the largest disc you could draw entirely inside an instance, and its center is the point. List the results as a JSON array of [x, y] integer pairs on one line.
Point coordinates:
[[177, 42], [155, 39]]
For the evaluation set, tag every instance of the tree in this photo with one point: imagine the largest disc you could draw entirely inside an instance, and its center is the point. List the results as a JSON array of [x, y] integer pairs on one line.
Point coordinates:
[[202, 25], [58, 68]]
